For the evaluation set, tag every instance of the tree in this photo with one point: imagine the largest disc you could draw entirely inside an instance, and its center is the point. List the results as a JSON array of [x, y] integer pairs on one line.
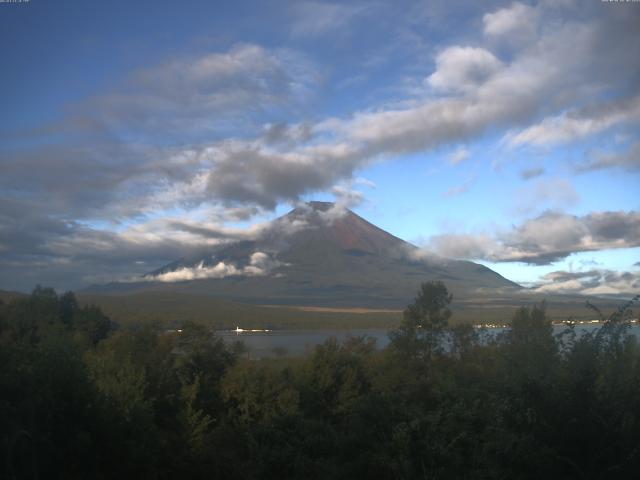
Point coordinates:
[[532, 348], [93, 323], [430, 309], [424, 321], [338, 375], [68, 306]]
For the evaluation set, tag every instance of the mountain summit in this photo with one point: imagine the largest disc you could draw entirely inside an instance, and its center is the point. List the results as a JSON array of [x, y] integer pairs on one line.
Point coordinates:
[[342, 229], [318, 254]]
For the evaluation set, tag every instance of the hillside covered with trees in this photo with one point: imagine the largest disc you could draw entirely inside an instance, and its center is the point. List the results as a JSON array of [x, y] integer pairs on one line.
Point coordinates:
[[80, 398]]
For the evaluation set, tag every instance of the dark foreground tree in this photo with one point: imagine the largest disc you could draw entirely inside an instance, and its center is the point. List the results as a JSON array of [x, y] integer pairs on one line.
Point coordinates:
[[424, 322], [148, 403]]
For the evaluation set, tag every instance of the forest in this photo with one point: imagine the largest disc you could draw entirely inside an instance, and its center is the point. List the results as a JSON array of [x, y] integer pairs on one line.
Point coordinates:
[[81, 397]]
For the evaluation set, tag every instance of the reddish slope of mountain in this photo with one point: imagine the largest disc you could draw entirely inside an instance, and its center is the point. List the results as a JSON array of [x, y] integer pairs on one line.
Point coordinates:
[[343, 229]]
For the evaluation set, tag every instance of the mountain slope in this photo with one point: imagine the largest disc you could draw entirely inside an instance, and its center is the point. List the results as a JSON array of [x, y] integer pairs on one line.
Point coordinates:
[[318, 254]]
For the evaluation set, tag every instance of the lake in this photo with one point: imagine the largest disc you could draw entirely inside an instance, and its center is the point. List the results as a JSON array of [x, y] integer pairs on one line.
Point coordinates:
[[297, 342], [300, 342]]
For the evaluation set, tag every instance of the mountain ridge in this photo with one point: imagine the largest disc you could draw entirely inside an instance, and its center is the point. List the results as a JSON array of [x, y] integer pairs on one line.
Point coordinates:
[[318, 254]]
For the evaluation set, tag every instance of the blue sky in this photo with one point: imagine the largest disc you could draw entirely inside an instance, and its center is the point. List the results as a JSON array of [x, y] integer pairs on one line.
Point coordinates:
[[500, 132]]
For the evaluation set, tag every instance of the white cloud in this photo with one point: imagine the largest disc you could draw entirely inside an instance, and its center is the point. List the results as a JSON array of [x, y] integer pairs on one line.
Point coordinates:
[[318, 18], [346, 196], [627, 160], [591, 282], [569, 286], [546, 194], [460, 189], [220, 270], [465, 246], [576, 124], [203, 94], [364, 181], [260, 264], [458, 156], [544, 239], [462, 69], [517, 20], [285, 161]]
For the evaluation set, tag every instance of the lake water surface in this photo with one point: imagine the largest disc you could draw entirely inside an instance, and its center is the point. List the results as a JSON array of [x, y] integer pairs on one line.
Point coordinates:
[[299, 342]]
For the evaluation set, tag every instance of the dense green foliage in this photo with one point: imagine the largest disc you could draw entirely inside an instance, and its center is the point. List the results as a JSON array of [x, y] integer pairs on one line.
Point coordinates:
[[80, 399]]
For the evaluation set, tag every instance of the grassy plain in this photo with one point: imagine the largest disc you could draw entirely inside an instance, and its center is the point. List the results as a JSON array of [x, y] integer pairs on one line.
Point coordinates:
[[174, 309]]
